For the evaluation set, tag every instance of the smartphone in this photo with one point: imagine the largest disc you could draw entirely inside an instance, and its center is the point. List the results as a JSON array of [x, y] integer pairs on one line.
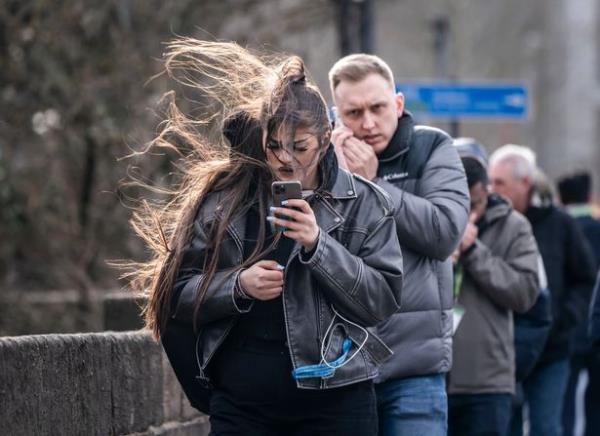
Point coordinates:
[[285, 191], [337, 120]]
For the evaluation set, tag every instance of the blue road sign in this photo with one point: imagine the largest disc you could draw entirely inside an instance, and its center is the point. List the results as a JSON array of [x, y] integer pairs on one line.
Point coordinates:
[[454, 100]]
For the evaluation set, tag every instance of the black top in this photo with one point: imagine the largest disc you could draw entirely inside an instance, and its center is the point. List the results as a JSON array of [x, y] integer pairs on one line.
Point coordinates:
[[265, 321], [569, 266]]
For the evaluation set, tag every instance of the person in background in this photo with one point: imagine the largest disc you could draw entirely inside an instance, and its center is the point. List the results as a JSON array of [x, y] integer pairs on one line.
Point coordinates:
[[419, 168], [569, 267], [575, 195], [495, 274]]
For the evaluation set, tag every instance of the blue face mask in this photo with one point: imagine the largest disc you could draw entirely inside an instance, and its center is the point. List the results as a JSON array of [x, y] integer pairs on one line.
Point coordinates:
[[323, 370], [326, 369]]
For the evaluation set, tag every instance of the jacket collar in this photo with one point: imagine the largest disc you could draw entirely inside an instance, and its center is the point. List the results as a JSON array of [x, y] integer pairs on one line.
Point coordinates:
[[342, 188], [497, 207], [400, 142]]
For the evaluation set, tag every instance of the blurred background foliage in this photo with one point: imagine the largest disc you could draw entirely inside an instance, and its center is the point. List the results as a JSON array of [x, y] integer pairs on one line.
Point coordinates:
[[74, 100]]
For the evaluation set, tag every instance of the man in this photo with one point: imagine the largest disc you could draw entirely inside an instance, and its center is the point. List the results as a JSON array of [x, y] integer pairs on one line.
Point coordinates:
[[420, 169], [495, 274], [570, 272], [575, 195]]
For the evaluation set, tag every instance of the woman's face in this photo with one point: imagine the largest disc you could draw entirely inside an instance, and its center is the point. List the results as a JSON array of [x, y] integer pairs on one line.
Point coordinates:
[[296, 159]]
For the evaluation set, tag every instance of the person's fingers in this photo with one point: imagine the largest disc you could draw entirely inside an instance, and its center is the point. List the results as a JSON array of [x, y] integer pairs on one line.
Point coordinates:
[[352, 155], [295, 235], [269, 294], [269, 265], [295, 225], [340, 135], [299, 204], [358, 146], [269, 276], [472, 217]]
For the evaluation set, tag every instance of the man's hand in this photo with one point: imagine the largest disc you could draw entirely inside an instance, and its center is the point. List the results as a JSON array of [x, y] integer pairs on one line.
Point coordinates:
[[361, 158], [471, 233], [338, 137], [354, 155]]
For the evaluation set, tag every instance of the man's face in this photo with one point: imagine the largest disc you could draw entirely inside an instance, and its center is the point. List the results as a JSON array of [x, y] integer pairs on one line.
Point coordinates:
[[370, 108], [479, 195], [505, 184]]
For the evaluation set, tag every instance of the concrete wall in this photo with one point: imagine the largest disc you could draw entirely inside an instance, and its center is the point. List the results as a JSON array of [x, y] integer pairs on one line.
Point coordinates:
[[91, 384]]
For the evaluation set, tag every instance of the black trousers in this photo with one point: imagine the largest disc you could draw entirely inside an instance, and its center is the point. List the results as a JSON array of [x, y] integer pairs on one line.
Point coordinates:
[[255, 394], [591, 362], [479, 414]]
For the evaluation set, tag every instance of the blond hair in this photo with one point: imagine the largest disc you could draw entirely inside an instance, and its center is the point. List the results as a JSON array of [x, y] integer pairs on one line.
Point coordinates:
[[354, 68]]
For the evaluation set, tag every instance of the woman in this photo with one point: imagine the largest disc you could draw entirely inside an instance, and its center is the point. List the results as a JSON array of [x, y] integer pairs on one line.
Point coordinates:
[[273, 322]]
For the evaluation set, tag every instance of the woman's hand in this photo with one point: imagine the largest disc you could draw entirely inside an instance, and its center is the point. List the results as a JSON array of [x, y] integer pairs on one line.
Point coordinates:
[[303, 228], [263, 280]]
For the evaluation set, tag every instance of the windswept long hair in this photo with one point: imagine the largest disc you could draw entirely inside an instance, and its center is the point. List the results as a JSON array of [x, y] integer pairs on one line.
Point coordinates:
[[254, 96]]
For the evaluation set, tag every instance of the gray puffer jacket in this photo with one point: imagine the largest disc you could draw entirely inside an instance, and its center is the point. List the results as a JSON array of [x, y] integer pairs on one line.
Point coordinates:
[[421, 171]]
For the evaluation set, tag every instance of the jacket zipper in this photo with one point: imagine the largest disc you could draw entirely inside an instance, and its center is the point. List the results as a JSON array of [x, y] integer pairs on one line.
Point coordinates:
[[285, 318], [318, 300]]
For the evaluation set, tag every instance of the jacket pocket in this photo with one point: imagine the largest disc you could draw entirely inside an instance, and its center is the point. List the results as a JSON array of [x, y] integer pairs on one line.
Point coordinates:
[[333, 347]]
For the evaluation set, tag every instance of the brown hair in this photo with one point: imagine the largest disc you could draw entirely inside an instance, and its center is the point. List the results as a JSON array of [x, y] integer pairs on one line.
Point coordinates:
[[254, 95], [355, 67]]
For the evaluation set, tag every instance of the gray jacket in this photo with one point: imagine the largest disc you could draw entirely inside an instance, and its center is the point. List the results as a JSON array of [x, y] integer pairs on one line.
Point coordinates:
[[356, 267], [421, 171], [500, 276]]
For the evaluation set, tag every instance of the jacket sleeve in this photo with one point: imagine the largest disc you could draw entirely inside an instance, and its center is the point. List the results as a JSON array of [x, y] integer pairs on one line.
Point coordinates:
[[510, 281], [433, 222], [219, 301], [365, 287], [580, 275], [594, 326]]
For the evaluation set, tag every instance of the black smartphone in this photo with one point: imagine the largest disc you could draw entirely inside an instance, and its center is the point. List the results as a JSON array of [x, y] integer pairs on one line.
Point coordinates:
[[285, 191]]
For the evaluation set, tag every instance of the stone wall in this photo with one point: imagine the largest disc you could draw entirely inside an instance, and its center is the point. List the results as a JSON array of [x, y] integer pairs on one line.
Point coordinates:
[[91, 384], [68, 311]]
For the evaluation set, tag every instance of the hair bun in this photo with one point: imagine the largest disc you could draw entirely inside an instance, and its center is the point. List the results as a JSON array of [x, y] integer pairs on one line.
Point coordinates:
[[298, 79], [293, 71]]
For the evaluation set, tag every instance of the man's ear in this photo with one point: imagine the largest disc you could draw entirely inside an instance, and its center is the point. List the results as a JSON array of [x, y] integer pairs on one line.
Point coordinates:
[[399, 104]]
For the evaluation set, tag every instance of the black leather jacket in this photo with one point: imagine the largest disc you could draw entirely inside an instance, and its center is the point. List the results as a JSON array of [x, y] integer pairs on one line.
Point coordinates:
[[356, 267]]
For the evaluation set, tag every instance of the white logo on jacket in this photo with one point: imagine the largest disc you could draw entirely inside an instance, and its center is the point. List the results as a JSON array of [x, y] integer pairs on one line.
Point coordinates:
[[395, 176]]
